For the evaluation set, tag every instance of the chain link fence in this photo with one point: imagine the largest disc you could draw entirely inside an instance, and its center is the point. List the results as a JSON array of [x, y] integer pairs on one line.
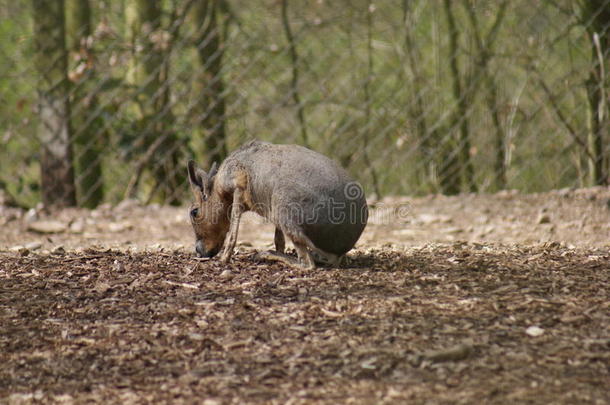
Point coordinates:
[[101, 101]]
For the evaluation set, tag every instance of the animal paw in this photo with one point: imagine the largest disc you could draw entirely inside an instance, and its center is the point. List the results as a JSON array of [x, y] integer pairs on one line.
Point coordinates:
[[225, 256]]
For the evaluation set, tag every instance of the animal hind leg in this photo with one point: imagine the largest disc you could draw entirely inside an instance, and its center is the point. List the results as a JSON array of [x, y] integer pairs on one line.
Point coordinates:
[[309, 254], [303, 246], [279, 257], [326, 258], [303, 261], [305, 258], [301, 243], [280, 241]]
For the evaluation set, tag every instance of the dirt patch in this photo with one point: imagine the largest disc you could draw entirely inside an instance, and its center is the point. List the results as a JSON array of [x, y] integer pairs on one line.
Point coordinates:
[[574, 217], [125, 313]]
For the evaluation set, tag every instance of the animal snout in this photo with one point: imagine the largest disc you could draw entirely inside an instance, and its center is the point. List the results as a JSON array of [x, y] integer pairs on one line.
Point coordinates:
[[202, 252]]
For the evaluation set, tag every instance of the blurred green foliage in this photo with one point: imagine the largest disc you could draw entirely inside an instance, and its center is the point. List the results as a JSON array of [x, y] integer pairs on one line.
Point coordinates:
[[538, 68]]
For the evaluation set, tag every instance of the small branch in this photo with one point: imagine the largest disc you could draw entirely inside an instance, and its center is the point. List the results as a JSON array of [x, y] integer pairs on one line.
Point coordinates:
[[295, 72], [602, 79], [142, 164], [562, 118]]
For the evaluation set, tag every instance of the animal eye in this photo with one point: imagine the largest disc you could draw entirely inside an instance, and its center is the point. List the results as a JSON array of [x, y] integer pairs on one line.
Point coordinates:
[[194, 212]]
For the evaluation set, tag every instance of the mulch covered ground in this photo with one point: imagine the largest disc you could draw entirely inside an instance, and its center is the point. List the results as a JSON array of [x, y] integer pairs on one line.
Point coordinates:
[[461, 323]]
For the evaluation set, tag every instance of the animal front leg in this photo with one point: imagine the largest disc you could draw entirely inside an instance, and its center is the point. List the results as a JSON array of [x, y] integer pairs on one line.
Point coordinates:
[[326, 258], [231, 239]]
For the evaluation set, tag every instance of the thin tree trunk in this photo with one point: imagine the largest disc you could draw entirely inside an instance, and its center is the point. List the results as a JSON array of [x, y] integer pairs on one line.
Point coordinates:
[[208, 115], [459, 165], [345, 124], [417, 110], [168, 168], [500, 136], [143, 19], [597, 22], [294, 84], [595, 138], [368, 101], [148, 75], [481, 73], [87, 128], [57, 172]]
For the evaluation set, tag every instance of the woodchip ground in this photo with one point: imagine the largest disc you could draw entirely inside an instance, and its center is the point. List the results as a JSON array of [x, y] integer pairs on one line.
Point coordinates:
[[499, 298]]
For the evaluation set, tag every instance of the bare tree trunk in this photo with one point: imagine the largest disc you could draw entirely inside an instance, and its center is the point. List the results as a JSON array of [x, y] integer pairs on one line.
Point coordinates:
[[368, 101], [143, 18], [148, 75], [87, 127], [595, 138], [168, 168], [459, 166], [208, 116], [294, 85], [481, 73], [143, 21], [57, 171], [345, 125], [427, 138], [500, 136], [596, 18]]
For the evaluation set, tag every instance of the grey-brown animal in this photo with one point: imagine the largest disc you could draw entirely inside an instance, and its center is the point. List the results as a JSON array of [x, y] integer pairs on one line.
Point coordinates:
[[309, 198]]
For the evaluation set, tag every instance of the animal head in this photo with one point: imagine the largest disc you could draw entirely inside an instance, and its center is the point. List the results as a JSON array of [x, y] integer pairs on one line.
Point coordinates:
[[209, 213]]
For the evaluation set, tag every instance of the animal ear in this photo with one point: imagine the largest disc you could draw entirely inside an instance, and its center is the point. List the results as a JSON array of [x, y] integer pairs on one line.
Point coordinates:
[[213, 170], [197, 178], [209, 183], [192, 167]]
